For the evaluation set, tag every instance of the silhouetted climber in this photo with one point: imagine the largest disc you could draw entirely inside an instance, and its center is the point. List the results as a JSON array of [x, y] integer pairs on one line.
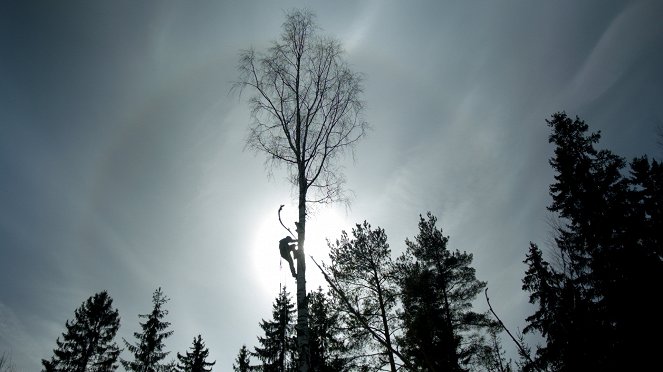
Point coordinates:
[[286, 245]]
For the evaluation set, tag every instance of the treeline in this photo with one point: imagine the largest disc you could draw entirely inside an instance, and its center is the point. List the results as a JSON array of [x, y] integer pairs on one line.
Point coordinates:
[[88, 343], [413, 312], [594, 291], [597, 296]]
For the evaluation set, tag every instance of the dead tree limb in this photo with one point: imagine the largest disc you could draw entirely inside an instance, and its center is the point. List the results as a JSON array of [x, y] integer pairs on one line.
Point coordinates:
[[522, 350], [358, 316], [291, 234]]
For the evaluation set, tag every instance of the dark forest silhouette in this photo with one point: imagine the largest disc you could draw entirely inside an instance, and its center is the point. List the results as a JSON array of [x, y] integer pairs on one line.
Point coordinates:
[[597, 298], [594, 291]]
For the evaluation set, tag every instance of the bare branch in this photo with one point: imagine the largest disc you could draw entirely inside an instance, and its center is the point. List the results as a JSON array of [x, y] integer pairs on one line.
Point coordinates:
[[303, 73], [306, 113], [523, 352], [358, 316]]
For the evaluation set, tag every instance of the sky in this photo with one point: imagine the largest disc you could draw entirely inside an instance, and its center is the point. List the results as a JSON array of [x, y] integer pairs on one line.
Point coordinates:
[[123, 164]]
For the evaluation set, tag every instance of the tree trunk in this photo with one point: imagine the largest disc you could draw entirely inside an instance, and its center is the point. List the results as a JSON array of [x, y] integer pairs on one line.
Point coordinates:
[[385, 324], [302, 303], [452, 353]]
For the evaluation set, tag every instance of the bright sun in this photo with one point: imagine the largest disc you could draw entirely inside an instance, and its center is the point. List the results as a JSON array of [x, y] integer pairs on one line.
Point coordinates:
[[271, 271]]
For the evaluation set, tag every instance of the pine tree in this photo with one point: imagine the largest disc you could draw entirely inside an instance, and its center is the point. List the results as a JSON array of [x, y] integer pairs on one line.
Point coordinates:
[[148, 350], [278, 350], [441, 332], [243, 361], [88, 343], [360, 275], [194, 361]]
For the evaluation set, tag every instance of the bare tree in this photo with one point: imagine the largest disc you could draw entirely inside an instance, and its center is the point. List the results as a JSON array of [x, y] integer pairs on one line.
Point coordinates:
[[306, 113]]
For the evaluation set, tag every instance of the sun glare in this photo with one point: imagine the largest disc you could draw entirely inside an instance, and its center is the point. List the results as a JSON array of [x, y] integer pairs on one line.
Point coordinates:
[[270, 271]]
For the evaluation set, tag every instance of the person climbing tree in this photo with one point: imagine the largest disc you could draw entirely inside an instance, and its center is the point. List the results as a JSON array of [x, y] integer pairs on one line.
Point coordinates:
[[287, 245], [307, 112]]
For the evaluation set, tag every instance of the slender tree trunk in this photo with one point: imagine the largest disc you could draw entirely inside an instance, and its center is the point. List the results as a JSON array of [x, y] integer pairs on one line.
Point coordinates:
[[385, 324], [451, 342], [302, 303], [89, 348], [283, 323]]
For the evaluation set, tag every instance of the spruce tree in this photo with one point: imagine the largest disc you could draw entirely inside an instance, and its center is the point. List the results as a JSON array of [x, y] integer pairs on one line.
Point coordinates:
[[552, 291], [194, 361], [570, 316], [608, 257], [148, 352], [88, 345], [328, 351], [441, 332], [243, 361], [278, 348]]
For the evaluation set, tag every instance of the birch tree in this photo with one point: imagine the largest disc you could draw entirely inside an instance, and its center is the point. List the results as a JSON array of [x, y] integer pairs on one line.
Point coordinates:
[[306, 110]]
